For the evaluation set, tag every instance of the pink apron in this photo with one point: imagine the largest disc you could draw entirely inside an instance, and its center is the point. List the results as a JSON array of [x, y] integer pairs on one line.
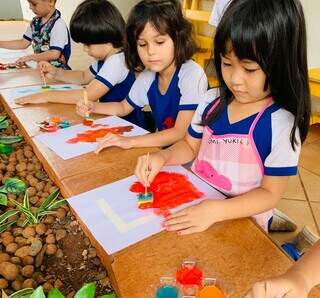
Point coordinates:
[[231, 163]]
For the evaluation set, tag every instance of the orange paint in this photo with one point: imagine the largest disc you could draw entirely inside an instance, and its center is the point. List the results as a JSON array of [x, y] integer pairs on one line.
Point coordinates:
[[169, 190], [87, 121], [91, 136], [211, 292]]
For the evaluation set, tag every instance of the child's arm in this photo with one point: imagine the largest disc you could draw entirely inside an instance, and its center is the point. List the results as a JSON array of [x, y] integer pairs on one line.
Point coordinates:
[[121, 109], [68, 76], [15, 44], [45, 56], [200, 217], [160, 138], [95, 90], [180, 153], [296, 282]]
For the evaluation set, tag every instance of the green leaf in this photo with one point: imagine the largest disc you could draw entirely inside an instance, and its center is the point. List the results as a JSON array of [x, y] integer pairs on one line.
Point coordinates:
[[5, 226], [8, 140], [50, 199], [6, 215], [113, 295], [58, 204], [3, 199], [21, 293], [6, 149], [26, 203], [31, 218], [55, 293], [14, 185], [38, 293], [3, 122], [87, 291]]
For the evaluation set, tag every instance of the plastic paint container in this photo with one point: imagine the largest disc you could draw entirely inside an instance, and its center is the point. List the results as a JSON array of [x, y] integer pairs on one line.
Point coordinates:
[[167, 292], [211, 292]]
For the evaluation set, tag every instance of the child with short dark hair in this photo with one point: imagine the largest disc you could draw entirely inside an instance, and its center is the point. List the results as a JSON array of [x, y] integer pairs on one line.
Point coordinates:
[[160, 44], [48, 34], [100, 27]]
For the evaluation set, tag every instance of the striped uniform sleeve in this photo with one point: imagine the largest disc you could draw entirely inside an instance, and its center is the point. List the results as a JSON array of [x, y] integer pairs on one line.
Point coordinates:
[[113, 71], [193, 84], [195, 128], [28, 34], [59, 36], [283, 159], [138, 95]]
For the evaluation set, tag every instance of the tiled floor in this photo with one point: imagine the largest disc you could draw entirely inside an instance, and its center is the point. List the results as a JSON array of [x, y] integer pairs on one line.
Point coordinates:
[[302, 198]]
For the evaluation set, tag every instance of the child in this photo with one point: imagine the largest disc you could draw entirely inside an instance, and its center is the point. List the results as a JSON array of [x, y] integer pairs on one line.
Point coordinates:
[[100, 27], [48, 35], [160, 42], [252, 133], [296, 282]]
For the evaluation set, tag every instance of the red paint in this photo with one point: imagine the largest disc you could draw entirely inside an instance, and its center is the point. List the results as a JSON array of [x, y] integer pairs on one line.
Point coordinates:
[[5, 66], [168, 122], [169, 190], [91, 136], [189, 276]]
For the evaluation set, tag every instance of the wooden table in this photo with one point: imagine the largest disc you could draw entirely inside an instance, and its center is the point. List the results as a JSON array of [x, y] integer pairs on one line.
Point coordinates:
[[238, 253], [21, 78]]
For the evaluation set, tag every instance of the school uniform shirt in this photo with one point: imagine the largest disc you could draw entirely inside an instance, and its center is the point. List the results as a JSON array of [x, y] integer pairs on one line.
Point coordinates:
[[114, 74], [188, 84], [52, 35], [271, 134], [218, 10]]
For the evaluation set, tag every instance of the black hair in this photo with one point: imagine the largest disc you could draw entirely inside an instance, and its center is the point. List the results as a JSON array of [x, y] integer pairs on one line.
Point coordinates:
[[273, 34], [97, 22], [166, 16]]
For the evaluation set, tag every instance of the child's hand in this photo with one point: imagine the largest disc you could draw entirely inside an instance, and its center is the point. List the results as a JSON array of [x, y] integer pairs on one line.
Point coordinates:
[[110, 140], [24, 59], [285, 286], [32, 99], [83, 109], [194, 219], [48, 70], [145, 172]]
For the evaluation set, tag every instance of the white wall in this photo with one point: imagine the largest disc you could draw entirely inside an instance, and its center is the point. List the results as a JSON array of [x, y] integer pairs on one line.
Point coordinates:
[[312, 15], [311, 9]]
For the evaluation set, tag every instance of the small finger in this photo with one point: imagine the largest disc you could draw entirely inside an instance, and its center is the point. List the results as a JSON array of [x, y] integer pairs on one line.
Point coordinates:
[[190, 230]]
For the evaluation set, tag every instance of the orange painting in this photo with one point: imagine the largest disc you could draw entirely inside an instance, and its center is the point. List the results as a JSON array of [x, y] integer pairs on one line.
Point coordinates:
[[169, 190], [91, 135]]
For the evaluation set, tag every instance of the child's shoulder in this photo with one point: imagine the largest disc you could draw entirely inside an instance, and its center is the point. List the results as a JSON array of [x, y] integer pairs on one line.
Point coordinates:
[[279, 116], [190, 67], [211, 96]]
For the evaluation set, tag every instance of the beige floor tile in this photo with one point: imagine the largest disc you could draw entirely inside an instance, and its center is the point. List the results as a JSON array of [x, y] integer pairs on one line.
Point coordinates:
[[294, 190], [311, 184], [310, 156], [316, 211], [300, 212], [314, 133]]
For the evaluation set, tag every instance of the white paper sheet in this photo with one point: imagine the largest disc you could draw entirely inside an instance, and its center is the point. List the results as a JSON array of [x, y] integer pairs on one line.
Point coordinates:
[[112, 216], [57, 141], [10, 95]]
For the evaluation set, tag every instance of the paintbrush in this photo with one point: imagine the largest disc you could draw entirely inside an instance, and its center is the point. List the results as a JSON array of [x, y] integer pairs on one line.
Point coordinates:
[[145, 187], [87, 121], [44, 86], [147, 197]]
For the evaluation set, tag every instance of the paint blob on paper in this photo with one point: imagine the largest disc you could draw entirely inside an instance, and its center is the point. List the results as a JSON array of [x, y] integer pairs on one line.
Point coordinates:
[[169, 191], [99, 131]]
